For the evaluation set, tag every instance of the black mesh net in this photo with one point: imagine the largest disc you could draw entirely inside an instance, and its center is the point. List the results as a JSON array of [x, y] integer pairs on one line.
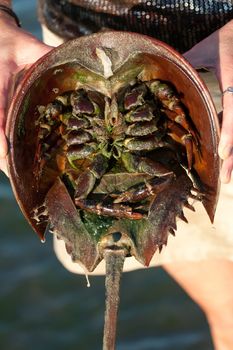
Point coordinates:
[[180, 24]]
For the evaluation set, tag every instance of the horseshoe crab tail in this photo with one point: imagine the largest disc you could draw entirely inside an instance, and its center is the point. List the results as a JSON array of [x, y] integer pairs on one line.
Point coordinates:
[[114, 260]]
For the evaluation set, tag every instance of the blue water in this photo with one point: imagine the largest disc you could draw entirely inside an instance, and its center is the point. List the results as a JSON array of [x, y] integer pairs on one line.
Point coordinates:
[[42, 306]]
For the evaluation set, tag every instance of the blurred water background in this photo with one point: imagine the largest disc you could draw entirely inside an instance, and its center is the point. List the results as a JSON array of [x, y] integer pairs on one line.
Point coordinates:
[[42, 306]]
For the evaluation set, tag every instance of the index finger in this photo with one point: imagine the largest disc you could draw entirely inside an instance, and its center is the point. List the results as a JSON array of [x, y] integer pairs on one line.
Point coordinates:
[[226, 138], [3, 140]]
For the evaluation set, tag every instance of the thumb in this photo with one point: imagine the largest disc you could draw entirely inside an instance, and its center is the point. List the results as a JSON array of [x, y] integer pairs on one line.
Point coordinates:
[[4, 83], [35, 50], [3, 141], [3, 99]]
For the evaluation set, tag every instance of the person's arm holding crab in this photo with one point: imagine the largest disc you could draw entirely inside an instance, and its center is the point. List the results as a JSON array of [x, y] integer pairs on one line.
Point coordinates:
[[18, 49], [216, 53]]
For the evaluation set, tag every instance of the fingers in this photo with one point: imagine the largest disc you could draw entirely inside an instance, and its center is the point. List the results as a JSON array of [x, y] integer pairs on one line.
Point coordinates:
[[42, 49], [227, 170], [18, 49], [226, 140], [34, 50], [4, 83], [3, 141], [225, 148], [3, 165]]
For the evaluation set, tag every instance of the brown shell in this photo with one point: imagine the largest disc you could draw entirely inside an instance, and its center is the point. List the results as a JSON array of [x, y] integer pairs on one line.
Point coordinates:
[[55, 73]]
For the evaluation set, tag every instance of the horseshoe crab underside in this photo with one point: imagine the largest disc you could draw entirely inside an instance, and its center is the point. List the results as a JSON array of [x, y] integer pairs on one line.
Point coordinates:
[[113, 131]]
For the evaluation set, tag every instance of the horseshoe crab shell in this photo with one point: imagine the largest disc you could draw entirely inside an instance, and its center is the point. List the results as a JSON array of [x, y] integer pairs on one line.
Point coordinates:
[[112, 58]]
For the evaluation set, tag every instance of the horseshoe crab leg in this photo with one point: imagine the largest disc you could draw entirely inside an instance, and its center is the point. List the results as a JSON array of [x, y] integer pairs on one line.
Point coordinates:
[[114, 260]]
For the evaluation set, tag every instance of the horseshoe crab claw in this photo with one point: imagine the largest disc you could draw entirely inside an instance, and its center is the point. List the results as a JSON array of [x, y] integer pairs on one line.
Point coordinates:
[[110, 135]]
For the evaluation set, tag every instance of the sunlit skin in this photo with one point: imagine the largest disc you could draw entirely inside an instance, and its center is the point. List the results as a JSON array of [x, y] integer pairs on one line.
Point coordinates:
[[19, 50]]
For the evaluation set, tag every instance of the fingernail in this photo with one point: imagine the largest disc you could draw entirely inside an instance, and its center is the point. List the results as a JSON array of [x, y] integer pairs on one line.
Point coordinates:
[[225, 152]]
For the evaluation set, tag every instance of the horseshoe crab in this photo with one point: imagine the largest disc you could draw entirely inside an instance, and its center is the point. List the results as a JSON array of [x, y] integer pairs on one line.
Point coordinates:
[[110, 135]]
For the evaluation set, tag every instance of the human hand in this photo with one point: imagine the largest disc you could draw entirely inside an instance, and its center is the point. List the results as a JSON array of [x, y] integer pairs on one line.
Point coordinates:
[[19, 49], [216, 53]]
